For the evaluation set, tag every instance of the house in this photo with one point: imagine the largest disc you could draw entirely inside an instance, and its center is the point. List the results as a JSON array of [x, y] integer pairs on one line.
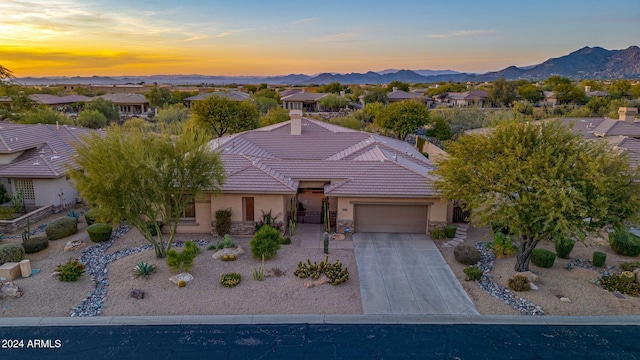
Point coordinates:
[[368, 182], [32, 163], [230, 94], [467, 98], [71, 102], [128, 104], [303, 100], [399, 95]]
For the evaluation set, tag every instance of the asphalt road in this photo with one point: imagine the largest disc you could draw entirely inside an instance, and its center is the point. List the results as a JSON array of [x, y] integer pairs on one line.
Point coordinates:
[[321, 341]]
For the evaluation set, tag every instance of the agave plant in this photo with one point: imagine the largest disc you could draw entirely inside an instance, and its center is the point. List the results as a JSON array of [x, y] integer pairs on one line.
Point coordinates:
[[143, 269], [73, 214]]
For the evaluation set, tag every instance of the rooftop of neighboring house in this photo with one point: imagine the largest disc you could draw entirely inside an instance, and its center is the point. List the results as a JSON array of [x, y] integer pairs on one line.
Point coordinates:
[[124, 99], [399, 95], [227, 94], [272, 159], [468, 95], [303, 96], [37, 151], [47, 99]]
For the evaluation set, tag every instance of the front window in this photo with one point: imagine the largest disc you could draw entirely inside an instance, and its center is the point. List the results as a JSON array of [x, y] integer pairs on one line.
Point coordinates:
[[189, 209]]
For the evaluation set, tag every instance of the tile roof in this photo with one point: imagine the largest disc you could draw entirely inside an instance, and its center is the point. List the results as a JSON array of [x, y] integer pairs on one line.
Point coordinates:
[[304, 96], [353, 163], [124, 99], [43, 149], [398, 95], [231, 95], [47, 99], [611, 127], [468, 95]]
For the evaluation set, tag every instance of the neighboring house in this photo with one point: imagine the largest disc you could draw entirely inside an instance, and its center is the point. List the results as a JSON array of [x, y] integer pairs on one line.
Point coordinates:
[[371, 183], [72, 102], [303, 100], [32, 162], [128, 104], [549, 99], [399, 95], [467, 98], [230, 94]]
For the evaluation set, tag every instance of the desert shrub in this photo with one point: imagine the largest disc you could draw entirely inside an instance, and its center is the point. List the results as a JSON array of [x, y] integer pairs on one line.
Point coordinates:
[[61, 228], [90, 216], [223, 221], [519, 283], [438, 233], [71, 271], [450, 230], [563, 247], [333, 271], [225, 243], [266, 241], [615, 283], [285, 241], [473, 273], [99, 232], [630, 265], [542, 258], [502, 245], [11, 252], [73, 214], [182, 261], [624, 243], [467, 254], [230, 279], [599, 258], [258, 273], [35, 244], [627, 277], [143, 269]]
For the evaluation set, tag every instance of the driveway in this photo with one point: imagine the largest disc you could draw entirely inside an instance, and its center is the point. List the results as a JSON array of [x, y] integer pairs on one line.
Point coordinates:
[[406, 274]]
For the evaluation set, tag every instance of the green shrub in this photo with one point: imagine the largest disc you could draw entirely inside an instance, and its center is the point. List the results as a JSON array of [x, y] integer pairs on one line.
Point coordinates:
[[266, 241], [473, 273], [450, 230], [99, 232], [630, 265], [143, 269], [61, 228], [615, 283], [90, 216], [624, 243], [71, 271], [258, 273], [11, 252], [438, 233], [542, 258], [223, 222], [333, 271], [502, 245], [285, 241], [467, 254], [225, 243], [563, 247], [35, 244], [599, 258], [520, 283], [627, 277], [230, 279], [182, 261]]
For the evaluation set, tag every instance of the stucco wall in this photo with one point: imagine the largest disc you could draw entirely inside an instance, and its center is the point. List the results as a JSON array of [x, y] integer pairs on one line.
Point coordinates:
[[262, 202], [57, 192]]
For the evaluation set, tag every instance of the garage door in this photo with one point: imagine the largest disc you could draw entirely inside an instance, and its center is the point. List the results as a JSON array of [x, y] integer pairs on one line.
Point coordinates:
[[391, 218]]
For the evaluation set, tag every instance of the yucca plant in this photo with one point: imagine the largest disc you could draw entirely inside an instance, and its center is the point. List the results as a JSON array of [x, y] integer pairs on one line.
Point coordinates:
[[258, 273], [143, 269]]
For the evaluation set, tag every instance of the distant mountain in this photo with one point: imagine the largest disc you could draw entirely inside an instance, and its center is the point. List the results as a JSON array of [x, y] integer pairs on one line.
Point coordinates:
[[586, 63]]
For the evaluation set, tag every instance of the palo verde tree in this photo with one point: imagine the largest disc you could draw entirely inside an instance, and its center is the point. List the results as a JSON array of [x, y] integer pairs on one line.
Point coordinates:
[[225, 116], [540, 181], [143, 177], [403, 117]]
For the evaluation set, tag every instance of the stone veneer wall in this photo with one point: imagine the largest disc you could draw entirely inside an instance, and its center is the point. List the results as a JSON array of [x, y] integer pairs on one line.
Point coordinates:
[[240, 228], [341, 225], [14, 225]]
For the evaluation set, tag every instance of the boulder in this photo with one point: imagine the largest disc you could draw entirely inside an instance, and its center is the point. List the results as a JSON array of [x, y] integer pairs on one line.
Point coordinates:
[[182, 276], [533, 278], [323, 279], [137, 293], [636, 272], [74, 245], [10, 290], [565, 299], [237, 251]]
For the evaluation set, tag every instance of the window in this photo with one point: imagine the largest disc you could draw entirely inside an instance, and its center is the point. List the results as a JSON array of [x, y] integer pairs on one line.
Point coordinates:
[[25, 186], [247, 209], [189, 210]]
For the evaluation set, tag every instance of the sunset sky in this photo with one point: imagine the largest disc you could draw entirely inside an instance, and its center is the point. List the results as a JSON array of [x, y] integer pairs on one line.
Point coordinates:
[[274, 37]]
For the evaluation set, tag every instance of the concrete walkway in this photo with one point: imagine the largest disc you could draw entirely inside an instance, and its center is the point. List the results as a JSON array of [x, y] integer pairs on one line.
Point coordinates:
[[406, 274]]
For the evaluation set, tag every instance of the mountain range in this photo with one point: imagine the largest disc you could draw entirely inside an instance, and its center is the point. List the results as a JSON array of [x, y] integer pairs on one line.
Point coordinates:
[[585, 63]]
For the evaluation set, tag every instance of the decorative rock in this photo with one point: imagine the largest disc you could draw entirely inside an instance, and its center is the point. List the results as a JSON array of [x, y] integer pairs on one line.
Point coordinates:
[[337, 236], [636, 272], [25, 268], [565, 299], [323, 279], [533, 278], [137, 293], [237, 251], [10, 289], [74, 245], [182, 276], [533, 286]]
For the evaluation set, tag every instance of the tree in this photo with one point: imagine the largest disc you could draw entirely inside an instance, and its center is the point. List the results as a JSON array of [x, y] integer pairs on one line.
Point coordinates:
[[106, 108], [173, 113], [274, 116], [158, 97], [567, 93], [44, 115], [403, 118], [333, 102], [502, 92], [541, 181], [439, 129], [225, 116], [264, 104], [398, 85], [6, 73], [556, 80], [332, 88], [619, 89], [142, 178], [377, 94], [530, 93], [92, 119]]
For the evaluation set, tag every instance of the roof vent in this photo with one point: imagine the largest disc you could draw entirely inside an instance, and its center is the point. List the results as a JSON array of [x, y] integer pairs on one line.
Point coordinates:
[[296, 122]]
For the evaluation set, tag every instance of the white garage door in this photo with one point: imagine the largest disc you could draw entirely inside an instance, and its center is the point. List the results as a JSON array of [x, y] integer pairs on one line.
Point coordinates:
[[391, 218]]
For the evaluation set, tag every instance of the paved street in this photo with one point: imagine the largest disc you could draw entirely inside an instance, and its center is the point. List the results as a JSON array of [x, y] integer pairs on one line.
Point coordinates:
[[406, 274]]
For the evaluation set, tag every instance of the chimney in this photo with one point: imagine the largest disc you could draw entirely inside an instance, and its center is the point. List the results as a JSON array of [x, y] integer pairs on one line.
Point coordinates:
[[296, 121], [394, 88], [587, 88], [627, 114]]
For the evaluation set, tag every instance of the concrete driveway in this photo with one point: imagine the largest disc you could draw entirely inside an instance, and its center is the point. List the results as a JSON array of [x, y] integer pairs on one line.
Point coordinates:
[[406, 274]]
